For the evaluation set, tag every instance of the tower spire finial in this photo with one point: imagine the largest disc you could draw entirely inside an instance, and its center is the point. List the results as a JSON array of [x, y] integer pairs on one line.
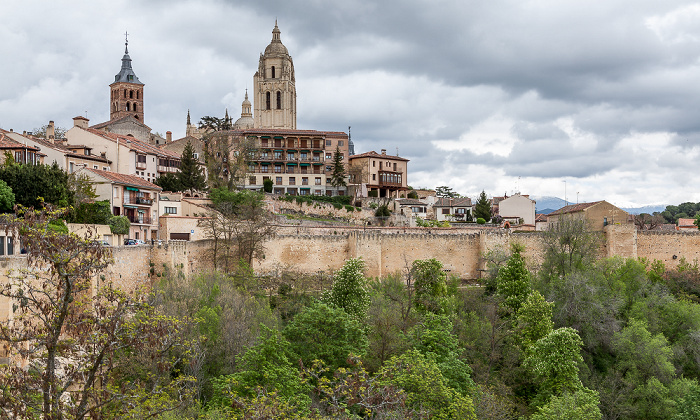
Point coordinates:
[[126, 42]]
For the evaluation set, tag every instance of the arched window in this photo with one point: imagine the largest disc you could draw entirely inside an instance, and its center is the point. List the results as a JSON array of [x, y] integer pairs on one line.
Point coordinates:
[[131, 94], [267, 100], [128, 106], [134, 107], [124, 93], [279, 100], [137, 94], [273, 72]]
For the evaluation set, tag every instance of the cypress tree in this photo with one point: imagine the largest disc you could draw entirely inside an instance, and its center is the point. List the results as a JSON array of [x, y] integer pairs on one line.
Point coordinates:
[[190, 176]]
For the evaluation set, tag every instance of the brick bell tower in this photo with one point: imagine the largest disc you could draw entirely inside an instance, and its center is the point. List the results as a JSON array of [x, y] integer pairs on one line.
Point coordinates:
[[126, 93]]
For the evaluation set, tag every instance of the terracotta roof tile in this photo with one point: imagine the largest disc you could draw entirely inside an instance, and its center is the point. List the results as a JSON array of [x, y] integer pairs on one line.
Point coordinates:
[[453, 202], [116, 120], [124, 179], [135, 144], [377, 155], [686, 223], [574, 208]]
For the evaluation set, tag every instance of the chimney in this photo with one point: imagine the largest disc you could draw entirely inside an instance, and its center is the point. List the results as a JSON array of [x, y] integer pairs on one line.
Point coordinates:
[[50, 132], [80, 122], [168, 136], [384, 151]]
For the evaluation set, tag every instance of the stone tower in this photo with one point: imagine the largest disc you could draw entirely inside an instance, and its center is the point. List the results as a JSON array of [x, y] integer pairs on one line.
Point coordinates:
[[126, 93], [275, 96]]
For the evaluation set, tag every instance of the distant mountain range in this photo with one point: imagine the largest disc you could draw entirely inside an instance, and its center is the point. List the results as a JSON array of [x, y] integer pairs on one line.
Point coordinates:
[[546, 205]]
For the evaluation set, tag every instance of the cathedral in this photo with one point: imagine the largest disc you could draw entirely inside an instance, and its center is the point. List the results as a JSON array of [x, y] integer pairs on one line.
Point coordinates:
[[298, 162]]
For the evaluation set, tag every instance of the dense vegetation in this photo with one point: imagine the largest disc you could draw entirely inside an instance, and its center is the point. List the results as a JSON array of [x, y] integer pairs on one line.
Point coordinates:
[[576, 337]]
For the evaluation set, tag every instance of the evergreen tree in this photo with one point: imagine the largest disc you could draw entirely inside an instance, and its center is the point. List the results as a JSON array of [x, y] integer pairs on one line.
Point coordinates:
[[338, 175], [190, 176], [169, 182], [482, 209]]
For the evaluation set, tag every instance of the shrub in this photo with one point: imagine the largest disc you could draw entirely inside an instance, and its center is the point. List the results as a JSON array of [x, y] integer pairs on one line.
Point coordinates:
[[119, 225], [58, 226], [267, 185], [373, 193], [337, 206], [480, 221], [349, 209]]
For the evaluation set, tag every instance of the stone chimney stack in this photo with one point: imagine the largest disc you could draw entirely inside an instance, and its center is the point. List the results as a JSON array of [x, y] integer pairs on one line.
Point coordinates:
[[384, 151], [168, 136], [80, 122], [51, 132]]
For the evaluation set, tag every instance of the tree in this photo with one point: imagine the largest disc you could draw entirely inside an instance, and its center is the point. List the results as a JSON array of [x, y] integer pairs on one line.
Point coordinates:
[[581, 404], [534, 319], [34, 185], [267, 185], [169, 182], [338, 175], [7, 198], [647, 221], [73, 338], [227, 162], [350, 291], [97, 213], [80, 184], [59, 132], [190, 175], [240, 227], [445, 191], [569, 245], [326, 333], [482, 208], [214, 123], [119, 225], [513, 281], [431, 287]]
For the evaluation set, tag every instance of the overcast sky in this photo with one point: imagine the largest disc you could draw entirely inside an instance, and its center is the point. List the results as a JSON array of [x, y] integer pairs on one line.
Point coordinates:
[[601, 98]]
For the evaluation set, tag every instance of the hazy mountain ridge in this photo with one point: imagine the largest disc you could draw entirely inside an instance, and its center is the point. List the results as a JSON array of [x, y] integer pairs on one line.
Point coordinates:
[[546, 205]]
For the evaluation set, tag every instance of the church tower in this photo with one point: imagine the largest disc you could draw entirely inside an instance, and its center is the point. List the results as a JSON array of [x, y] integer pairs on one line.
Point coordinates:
[[126, 93], [275, 96]]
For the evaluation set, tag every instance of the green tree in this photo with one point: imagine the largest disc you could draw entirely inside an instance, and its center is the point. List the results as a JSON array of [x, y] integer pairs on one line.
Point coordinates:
[[581, 404], [80, 185], [350, 290], [34, 185], [534, 319], [169, 182], [427, 391], [325, 333], [482, 208], [445, 191], [119, 225], [431, 286], [267, 185], [7, 197], [190, 175], [338, 174], [513, 281], [98, 213]]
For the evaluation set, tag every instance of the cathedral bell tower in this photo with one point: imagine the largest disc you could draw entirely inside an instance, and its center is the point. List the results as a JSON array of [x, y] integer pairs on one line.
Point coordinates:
[[275, 96], [126, 93]]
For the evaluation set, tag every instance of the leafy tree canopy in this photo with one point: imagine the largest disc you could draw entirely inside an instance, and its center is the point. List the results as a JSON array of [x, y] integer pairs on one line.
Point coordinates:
[[35, 184]]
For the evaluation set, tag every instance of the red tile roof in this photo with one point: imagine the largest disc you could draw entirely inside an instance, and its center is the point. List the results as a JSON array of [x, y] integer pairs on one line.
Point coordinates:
[[377, 155], [135, 144], [128, 117], [686, 223], [125, 179], [574, 208], [7, 143], [540, 217], [453, 202]]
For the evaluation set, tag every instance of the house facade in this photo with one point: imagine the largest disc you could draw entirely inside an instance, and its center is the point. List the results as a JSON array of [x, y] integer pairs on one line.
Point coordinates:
[[599, 214], [517, 208], [129, 196], [378, 175], [453, 209]]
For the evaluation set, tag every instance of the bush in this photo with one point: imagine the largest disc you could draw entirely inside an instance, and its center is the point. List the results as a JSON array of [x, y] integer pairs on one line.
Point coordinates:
[[349, 209], [382, 211], [373, 193], [267, 185], [481, 221], [119, 225], [58, 226], [412, 194]]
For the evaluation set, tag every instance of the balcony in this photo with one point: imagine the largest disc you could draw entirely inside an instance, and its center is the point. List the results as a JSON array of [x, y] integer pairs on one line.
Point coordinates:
[[140, 219], [141, 201], [162, 168], [140, 165]]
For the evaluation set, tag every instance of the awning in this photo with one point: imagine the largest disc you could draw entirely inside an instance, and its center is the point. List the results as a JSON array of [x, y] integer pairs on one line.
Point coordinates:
[[318, 164], [132, 189], [279, 137], [130, 206], [305, 189], [304, 151], [280, 150], [292, 150], [265, 163], [304, 164], [291, 164], [264, 137]]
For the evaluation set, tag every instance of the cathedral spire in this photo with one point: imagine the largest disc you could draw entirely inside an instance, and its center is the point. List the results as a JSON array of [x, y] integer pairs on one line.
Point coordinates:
[[189, 122]]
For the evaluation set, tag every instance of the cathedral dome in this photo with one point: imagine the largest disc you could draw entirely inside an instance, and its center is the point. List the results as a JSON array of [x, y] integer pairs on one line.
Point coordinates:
[[246, 121], [276, 46]]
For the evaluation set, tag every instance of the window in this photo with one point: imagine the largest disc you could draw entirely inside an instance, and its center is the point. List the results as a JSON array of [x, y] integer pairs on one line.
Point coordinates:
[[104, 168], [267, 100], [251, 180], [374, 177], [263, 142], [318, 192], [460, 211], [196, 155], [318, 180], [305, 180], [304, 191], [394, 166], [71, 167], [94, 166], [374, 163], [329, 156], [278, 180], [303, 155], [341, 143], [278, 169], [10, 247], [131, 94], [264, 154], [279, 100], [273, 72], [329, 143], [251, 167], [278, 155], [171, 210], [292, 180]]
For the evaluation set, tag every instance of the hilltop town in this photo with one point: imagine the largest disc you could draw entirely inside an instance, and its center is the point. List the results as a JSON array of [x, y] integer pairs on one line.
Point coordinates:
[[252, 269]]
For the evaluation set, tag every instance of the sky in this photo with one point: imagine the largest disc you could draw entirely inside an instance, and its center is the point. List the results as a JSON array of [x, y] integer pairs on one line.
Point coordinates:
[[583, 100]]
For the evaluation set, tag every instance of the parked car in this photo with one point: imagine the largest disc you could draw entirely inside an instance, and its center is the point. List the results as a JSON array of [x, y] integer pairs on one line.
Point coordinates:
[[130, 242]]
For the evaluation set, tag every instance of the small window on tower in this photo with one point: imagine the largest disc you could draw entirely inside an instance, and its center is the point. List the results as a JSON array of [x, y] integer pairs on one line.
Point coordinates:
[[267, 100], [131, 92], [279, 100], [273, 72]]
